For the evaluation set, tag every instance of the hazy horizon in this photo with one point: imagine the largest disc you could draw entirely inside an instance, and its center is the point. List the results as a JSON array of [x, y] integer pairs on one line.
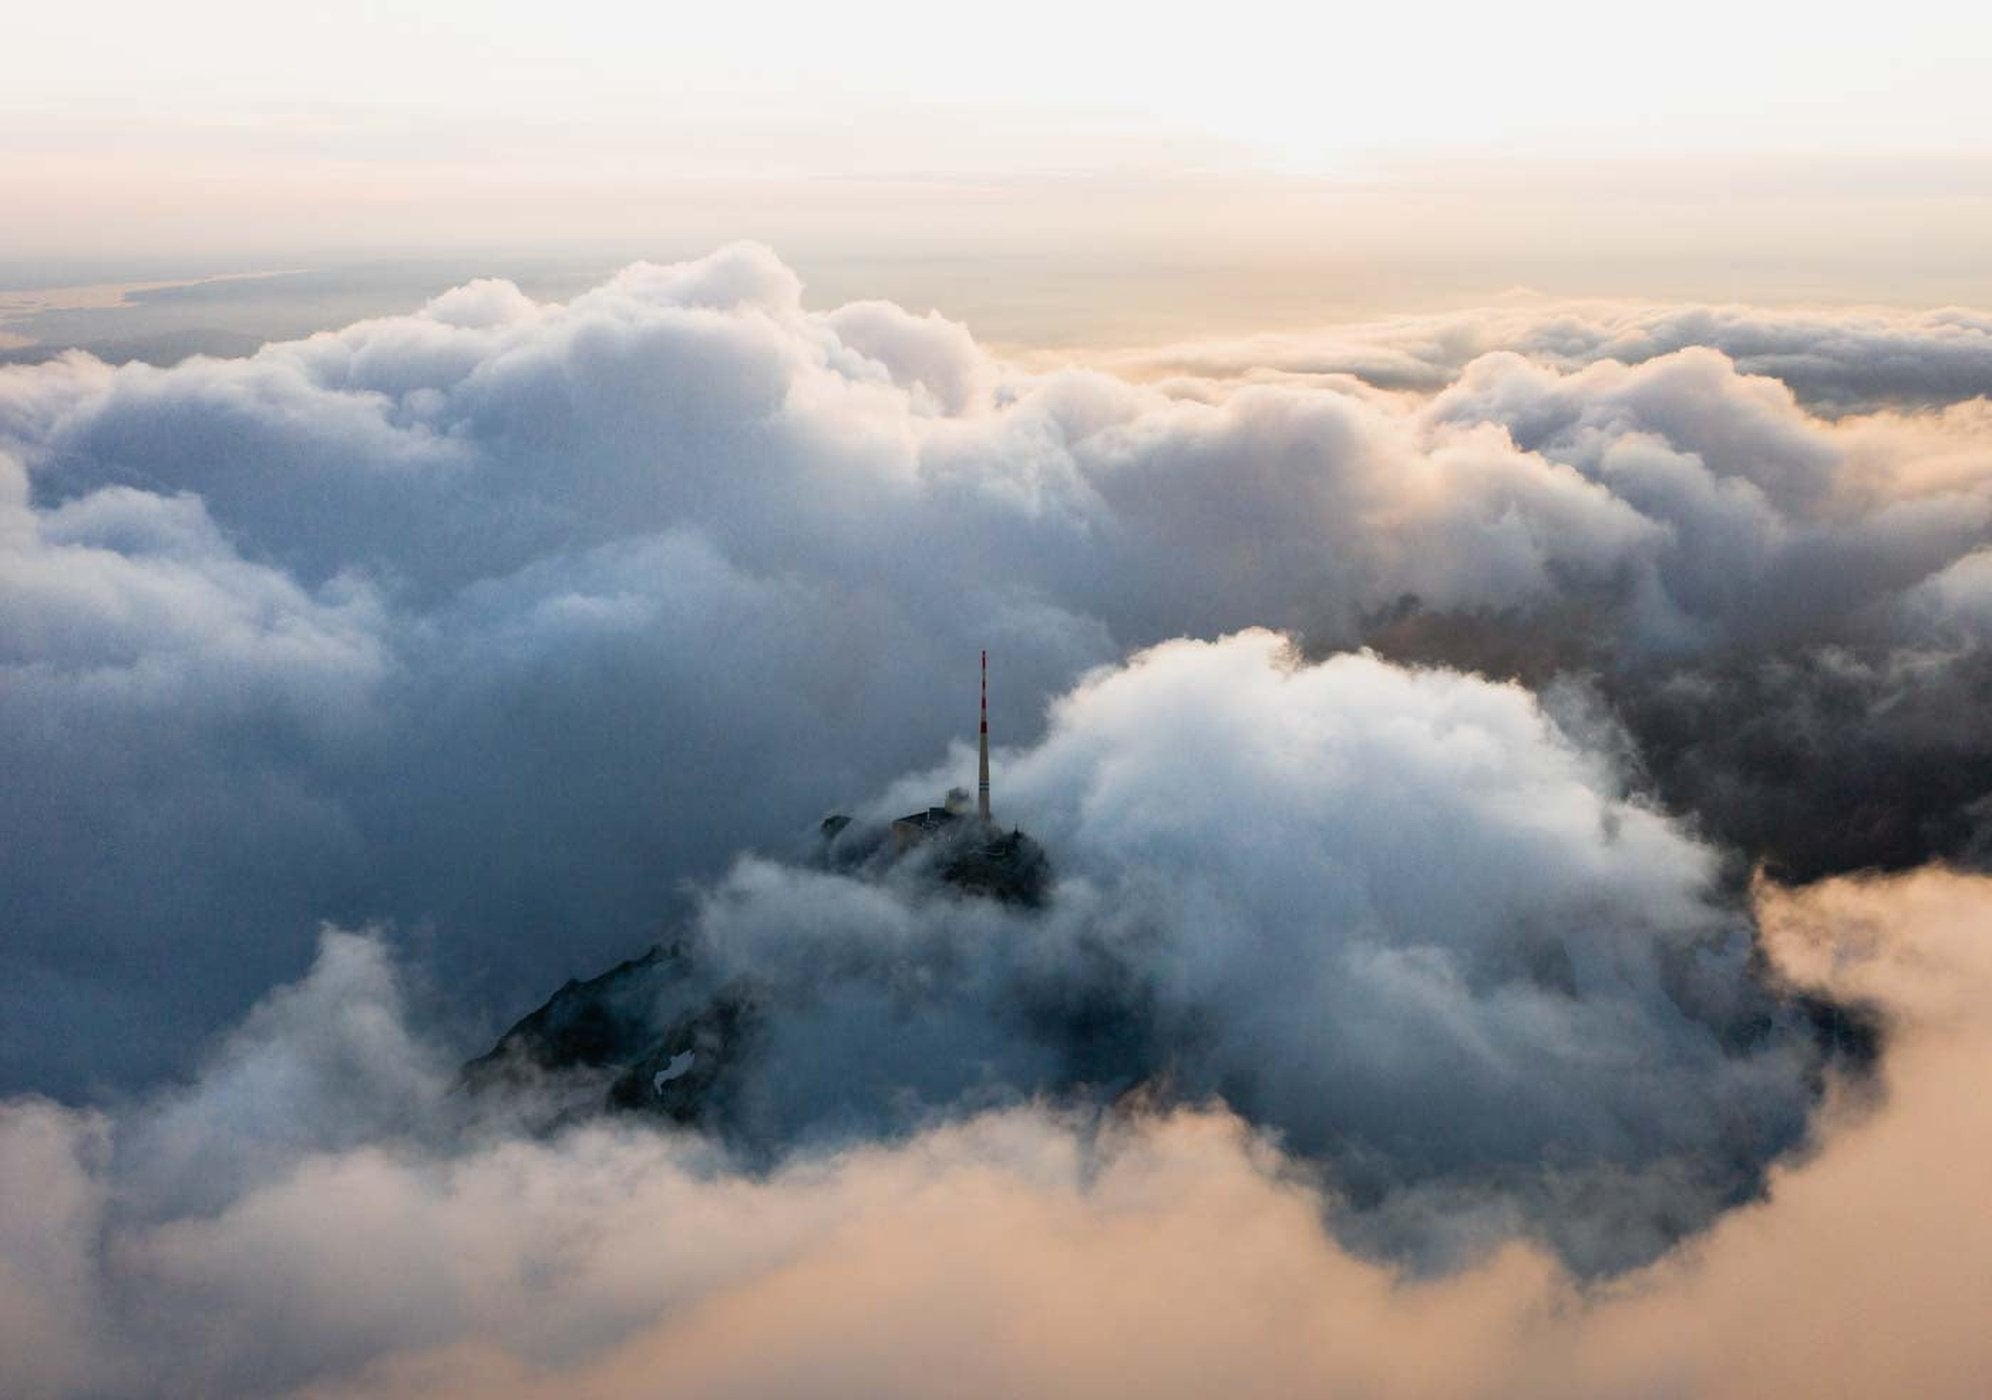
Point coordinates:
[[1287, 168]]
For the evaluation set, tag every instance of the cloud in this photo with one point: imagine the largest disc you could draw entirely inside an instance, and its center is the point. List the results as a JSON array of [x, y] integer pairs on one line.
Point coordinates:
[[1836, 361], [1401, 919], [1016, 1249], [499, 620]]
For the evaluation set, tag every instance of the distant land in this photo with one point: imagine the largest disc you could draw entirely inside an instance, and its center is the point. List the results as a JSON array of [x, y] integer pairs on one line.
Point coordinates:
[[1033, 306]]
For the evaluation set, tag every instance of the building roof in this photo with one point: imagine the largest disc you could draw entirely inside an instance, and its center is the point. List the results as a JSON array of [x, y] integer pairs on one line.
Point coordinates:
[[933, 819]]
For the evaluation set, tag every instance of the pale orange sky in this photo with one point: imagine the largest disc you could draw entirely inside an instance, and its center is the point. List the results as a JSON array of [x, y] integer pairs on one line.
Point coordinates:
[[1707, 149]]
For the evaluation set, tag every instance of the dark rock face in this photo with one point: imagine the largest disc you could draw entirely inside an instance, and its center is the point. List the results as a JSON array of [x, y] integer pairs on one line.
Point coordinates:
[[585, 1025], [966, 854], [659, 1034], [685, 1075], [1001, 865], [668, 1034]]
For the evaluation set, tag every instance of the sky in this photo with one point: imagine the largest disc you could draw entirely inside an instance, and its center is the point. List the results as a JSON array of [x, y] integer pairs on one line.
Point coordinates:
[[1298, 87], [1378, 159], [1481, 522]]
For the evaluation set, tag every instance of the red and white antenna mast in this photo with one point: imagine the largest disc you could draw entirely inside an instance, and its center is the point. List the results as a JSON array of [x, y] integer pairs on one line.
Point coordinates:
[[982, 773]]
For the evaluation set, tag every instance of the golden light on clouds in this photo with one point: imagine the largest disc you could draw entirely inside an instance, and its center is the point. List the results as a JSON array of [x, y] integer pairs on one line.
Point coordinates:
[[990, 1258]]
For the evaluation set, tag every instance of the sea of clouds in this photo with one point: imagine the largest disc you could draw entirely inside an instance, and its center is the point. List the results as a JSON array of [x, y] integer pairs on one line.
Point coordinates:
[[1403, 722]]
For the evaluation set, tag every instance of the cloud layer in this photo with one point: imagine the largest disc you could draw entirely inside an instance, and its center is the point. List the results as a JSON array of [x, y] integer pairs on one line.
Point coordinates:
[[272, 1228], [1402, 732], [1400, 919], [501, 619], [1835, 361]]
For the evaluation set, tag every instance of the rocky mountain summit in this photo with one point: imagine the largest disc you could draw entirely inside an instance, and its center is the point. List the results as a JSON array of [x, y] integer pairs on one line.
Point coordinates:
[[670, 1034]]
